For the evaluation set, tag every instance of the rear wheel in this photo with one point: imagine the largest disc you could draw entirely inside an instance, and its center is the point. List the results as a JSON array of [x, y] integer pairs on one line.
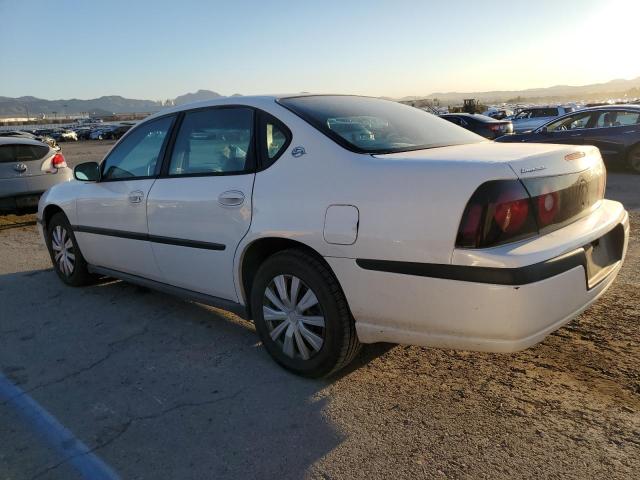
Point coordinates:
[[66, 256], [302, 316], [633, 159]]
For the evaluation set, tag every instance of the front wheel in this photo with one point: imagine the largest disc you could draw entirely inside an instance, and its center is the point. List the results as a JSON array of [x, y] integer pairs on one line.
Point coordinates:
[[302, 316], [633, 159], [66, 256]]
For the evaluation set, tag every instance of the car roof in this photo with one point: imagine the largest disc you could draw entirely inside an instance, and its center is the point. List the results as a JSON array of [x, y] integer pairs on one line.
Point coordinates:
[[20, 141], [475, 116], [613, 107], [257, 101]]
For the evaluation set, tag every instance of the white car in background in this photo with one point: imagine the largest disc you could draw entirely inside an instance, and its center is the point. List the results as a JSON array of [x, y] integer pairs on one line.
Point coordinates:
[[534, 117], [419, 232]]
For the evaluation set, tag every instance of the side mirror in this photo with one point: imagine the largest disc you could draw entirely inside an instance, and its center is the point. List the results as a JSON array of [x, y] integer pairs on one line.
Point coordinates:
[[87, 172]]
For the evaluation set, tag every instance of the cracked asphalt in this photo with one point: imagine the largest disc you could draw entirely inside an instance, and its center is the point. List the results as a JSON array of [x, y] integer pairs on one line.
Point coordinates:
[[160, 388]]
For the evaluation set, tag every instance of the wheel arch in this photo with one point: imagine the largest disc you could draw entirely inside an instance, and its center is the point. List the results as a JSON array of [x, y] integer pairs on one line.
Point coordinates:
[[256, 252], [48, 212]]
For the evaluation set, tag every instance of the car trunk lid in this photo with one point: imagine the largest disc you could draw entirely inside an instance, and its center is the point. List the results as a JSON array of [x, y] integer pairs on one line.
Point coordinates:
[[527, 160]]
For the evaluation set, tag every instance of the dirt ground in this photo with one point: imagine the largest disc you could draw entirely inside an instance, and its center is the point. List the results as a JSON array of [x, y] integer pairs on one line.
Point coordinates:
[[162, 388]]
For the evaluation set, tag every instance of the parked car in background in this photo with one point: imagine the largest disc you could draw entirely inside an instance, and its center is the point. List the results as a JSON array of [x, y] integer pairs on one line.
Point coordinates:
[[28, 168], [68, 136], [498, 113], [481, 124], [614, 129], [119, 131], [17, 134], [30, 136], [102, 133], [83, 133], [531, 118], [406, 229]]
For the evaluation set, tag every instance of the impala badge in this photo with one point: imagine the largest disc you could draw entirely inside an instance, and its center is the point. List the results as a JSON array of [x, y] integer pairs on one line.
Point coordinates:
[[532, 169], [298, 152]]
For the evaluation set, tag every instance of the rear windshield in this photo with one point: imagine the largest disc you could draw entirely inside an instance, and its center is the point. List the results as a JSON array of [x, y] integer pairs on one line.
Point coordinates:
[[22, 153], [372, 125]]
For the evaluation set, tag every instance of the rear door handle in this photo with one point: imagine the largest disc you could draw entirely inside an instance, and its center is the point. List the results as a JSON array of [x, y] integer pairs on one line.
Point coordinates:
[[231, 198], [136, 196], [576, 135]]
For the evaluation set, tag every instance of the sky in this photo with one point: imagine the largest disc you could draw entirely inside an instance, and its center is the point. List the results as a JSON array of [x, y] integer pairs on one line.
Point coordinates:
[[161, 49]]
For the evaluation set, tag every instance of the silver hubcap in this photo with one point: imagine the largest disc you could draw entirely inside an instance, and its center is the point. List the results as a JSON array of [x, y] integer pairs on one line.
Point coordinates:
[[294, 317], [64, 254]]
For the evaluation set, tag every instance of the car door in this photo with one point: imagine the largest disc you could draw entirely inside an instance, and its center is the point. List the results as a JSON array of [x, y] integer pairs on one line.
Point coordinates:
[[200, 207], [111, 213], [613, 131]]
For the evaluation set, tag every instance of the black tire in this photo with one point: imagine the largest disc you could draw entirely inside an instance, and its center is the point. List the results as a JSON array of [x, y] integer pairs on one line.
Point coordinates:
[[78, 275], [340, 341], [633, 159]]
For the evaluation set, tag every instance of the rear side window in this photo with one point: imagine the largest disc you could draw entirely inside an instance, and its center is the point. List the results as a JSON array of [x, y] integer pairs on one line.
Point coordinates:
[[276, 140], [617, 118], [22, 153], [138, 153], [214, 141]]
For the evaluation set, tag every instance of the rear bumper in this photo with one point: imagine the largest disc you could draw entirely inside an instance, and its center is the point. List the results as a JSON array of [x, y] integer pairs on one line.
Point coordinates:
[[511, 315], [24, 192]]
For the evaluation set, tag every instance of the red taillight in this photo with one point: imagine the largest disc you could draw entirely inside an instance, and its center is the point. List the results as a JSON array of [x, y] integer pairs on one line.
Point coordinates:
[[498, 212], [503, 211], [548, 206], [58, 161], [510, 215]]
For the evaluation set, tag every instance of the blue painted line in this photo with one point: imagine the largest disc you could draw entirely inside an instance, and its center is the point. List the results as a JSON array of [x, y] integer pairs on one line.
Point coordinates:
[[55, 434]]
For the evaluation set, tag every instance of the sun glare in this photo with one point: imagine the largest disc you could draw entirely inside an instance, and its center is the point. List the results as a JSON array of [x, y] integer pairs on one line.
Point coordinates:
[[605, 43]]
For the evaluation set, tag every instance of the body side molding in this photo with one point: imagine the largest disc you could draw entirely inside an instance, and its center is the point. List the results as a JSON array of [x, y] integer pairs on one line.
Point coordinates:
[[150, 238]]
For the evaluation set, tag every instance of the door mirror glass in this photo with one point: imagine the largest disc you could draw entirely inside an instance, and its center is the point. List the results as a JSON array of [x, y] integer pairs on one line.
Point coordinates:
[[87, 172]]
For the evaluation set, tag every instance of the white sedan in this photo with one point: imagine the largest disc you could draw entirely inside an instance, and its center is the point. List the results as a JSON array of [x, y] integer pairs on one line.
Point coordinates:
[[332, 221]]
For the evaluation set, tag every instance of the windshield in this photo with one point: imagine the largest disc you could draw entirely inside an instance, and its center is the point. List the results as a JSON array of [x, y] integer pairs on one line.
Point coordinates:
[[372, 125]]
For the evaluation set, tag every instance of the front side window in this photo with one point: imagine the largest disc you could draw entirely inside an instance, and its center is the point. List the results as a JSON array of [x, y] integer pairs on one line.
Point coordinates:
[[213, 141], [574, 122], [140, 151], [372, 125]]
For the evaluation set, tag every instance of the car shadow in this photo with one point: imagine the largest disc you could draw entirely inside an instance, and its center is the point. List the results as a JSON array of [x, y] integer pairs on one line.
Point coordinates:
[[156, 386]]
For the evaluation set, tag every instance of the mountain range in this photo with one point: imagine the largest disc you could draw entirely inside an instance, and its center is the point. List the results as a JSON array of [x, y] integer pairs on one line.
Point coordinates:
[[597, 91], [117, 104], [96, 106]]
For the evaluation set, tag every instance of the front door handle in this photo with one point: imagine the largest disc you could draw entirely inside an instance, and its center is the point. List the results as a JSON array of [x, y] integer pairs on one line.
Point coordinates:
[[231, 198], [136, 196]]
